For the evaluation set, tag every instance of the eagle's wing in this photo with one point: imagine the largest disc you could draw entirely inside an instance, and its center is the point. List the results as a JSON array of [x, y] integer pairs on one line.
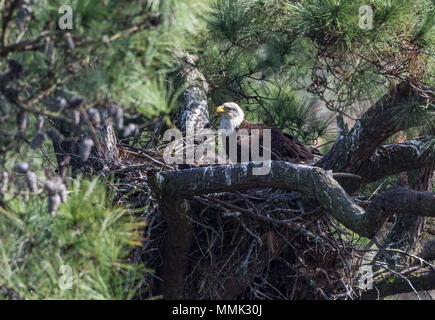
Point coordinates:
[[284, 146], [290, 148]]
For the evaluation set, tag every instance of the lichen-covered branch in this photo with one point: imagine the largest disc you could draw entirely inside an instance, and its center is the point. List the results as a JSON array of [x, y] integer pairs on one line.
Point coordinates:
[[311, 181], [194, 113]]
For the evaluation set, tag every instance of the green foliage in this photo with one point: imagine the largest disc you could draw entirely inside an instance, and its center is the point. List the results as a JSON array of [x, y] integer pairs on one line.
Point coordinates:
[[281, 107], [316, 43], [231, 20], [121, 49], [88, 234], [266, 55], [429, 147], [314, 18]]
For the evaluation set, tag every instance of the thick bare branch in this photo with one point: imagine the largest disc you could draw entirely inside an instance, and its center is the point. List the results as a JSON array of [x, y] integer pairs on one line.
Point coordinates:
[[351, 150], [423, 279], [310, 181], [428, 250], [392, 159], [401, 200], [389, 160]]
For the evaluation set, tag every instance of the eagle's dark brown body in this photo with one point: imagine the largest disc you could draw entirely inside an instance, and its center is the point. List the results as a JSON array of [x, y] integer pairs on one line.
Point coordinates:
[[284, 146]]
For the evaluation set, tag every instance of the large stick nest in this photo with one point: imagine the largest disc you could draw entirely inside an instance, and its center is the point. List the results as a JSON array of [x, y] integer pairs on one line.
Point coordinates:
[[259, 244]]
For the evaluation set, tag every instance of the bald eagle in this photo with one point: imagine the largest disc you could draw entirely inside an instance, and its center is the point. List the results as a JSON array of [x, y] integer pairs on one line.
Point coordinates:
[[284, 147]]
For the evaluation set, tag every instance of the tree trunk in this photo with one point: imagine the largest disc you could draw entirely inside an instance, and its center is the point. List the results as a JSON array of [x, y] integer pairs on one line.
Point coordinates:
[[407, 229], [176, 247]]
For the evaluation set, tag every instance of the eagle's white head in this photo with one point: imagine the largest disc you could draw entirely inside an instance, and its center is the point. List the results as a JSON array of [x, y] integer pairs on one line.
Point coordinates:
[[232, 117]]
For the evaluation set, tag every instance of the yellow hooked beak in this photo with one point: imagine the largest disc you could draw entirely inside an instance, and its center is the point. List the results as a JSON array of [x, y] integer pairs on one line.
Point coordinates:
[[220, 109]]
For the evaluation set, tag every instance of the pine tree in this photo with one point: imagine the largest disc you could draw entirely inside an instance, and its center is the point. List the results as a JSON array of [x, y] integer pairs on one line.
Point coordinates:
[[56, 86], [83, 113]]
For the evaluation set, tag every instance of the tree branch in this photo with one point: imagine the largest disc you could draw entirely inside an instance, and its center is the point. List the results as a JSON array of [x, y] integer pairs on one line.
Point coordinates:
[[428, 250], [311, 181], [351, 150], [389, 160], [423, 279]]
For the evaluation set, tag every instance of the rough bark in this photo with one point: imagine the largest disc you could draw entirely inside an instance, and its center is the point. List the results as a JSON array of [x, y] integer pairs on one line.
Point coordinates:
[[310, 181], [422, 280], [428, 250], [401, 200], [390, 160], [352, 150], [407, 229], [194, 113], [175, 247], [193, 118]]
